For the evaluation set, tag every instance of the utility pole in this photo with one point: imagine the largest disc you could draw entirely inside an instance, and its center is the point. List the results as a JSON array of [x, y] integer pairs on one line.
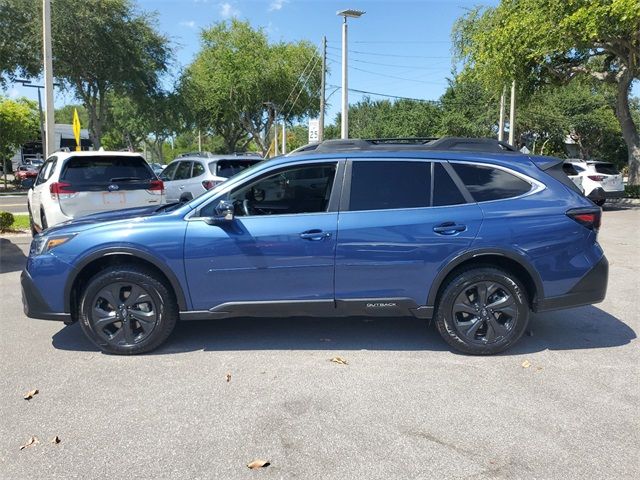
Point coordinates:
[[199, 140], [501, 122], [49, 139], [512, 114], [322, 90], [284, 137]]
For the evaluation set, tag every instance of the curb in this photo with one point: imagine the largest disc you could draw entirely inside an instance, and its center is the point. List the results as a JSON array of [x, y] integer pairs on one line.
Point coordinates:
[[623, 201]]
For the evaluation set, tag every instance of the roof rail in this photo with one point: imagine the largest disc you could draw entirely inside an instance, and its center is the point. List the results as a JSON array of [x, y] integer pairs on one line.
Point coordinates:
[[463, 144]]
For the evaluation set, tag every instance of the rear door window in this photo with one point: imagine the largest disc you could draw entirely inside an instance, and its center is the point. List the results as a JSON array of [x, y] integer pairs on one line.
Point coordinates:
[[606, 168], [487, 183], [94, 170], [382, 185], [228, 168], [445, 191], [198, 169]]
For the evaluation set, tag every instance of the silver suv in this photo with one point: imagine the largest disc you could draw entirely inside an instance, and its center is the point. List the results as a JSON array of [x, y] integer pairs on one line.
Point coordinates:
[[192, 174]]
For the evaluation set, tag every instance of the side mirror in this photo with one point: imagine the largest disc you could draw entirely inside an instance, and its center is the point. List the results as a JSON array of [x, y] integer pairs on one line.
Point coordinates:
[[224, 210]]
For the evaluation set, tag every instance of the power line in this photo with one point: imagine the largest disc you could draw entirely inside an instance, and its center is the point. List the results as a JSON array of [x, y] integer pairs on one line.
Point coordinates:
[[386, 64], [302, 88], [393, 41], [298, 81], [389, 54], [391, 76]]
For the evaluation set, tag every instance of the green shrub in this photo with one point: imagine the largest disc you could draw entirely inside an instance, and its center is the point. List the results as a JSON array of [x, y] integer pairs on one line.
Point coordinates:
[[632, 191], [6, 220]]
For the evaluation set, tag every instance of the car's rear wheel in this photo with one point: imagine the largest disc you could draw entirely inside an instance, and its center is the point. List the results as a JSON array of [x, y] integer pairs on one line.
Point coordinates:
[[43, 220], [127, 310], [32, 225], [482, 311], [600, 203]]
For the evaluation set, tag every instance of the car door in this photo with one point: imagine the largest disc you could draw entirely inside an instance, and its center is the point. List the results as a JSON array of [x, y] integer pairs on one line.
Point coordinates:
[[170, 187], [400, 222], [36, 192], [194, 186], [278, 251]]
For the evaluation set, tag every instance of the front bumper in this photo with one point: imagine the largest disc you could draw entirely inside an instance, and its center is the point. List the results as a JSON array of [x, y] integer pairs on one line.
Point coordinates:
[[33, 303], [592, 288]]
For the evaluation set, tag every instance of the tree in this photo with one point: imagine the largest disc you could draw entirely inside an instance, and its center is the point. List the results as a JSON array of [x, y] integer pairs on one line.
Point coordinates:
[[468, 110], [386, 119], [19, 122], [238, 78], [537, 42], [65, 114], [99, 47]]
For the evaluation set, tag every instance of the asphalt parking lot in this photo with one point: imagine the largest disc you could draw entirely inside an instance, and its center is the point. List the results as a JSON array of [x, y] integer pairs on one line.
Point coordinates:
[[564, 403]]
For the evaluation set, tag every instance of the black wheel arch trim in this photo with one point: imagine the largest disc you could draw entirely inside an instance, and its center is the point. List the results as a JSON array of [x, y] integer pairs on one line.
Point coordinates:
[[142, 255], [479, 253]]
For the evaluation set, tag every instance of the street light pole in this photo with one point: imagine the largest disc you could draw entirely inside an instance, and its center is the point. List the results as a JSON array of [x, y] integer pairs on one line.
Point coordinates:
[[322, 90], [345, 90], [49, 140], [345, 87], [501, 121], [512, 114]]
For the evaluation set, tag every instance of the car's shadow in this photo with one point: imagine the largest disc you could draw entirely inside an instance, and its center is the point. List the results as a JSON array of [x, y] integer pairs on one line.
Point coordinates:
[[579, 328], [12, 259]]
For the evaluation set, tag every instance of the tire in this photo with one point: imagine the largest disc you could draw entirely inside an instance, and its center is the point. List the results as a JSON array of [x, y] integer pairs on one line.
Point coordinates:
[[32, 226], [482, 311], [600, 203], [43, 221], [120, 326]]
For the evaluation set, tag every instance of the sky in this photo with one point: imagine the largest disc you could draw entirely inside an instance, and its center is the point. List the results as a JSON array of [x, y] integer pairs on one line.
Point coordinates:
[[397, 48]]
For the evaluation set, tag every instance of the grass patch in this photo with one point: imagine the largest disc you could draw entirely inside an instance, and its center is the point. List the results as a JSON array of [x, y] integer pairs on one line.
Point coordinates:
[[20, 222]]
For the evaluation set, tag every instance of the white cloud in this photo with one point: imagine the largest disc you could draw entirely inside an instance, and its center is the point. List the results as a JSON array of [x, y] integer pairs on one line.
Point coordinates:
[[188, 24], [227, 10], [277, 5]]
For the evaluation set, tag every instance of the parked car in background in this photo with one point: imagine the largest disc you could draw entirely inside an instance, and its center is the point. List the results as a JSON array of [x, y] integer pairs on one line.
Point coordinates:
[[191, 175], [26, 171], [600, 180], [573, 174], [157, 168], [458, 230], [74, 184]]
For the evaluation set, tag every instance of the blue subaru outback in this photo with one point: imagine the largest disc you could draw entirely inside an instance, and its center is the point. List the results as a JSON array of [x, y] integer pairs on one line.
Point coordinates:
[[466, 232]]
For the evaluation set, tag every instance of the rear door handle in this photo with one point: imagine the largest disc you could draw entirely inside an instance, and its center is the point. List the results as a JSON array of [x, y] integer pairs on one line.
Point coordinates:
[[449, 228], [314, 235]]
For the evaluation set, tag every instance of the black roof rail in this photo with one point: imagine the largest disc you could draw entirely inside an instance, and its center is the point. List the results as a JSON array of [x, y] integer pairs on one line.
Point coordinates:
[[461, 144]]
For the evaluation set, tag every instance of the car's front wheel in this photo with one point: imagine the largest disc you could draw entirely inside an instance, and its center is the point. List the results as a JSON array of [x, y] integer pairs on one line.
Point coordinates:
[[127, 310], [482, 310]]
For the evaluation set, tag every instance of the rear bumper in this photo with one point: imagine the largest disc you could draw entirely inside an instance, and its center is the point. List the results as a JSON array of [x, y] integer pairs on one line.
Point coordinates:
[[592, 288], [33, 303], [614, 194]]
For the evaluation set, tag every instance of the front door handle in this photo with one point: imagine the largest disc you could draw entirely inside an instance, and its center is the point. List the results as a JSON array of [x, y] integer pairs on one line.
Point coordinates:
[[449, 228], [314, 235]]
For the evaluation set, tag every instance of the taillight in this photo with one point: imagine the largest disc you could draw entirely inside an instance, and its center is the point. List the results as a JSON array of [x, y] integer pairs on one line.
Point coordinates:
[[60, 189], [156, 187], [209, 184], [596, 178], [589, 217]]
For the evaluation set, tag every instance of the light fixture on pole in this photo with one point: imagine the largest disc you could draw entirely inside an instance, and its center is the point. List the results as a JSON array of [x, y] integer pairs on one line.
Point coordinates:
[[49, 140], [345, 89]]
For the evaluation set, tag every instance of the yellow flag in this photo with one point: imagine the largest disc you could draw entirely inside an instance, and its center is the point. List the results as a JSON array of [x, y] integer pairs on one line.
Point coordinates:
[[76, 129]]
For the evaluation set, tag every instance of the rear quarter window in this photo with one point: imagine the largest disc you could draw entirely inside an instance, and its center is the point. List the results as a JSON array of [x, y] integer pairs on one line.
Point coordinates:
[[99, 169], [487, 183]]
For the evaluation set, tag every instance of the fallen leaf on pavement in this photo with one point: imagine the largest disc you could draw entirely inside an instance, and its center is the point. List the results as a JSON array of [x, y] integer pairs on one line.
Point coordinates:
[[55, 439], [526, 364], [258, 464], [339, 361], [32, 441], [30, 394], [228, 377]]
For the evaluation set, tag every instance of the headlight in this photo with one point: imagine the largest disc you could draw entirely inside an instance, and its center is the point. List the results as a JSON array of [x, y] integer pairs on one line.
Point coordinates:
[[45, 243]]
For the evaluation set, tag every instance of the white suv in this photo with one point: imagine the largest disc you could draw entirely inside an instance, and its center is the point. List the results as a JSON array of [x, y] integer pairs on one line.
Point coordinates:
[[74, 184], [191, 175], [601, 180]]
